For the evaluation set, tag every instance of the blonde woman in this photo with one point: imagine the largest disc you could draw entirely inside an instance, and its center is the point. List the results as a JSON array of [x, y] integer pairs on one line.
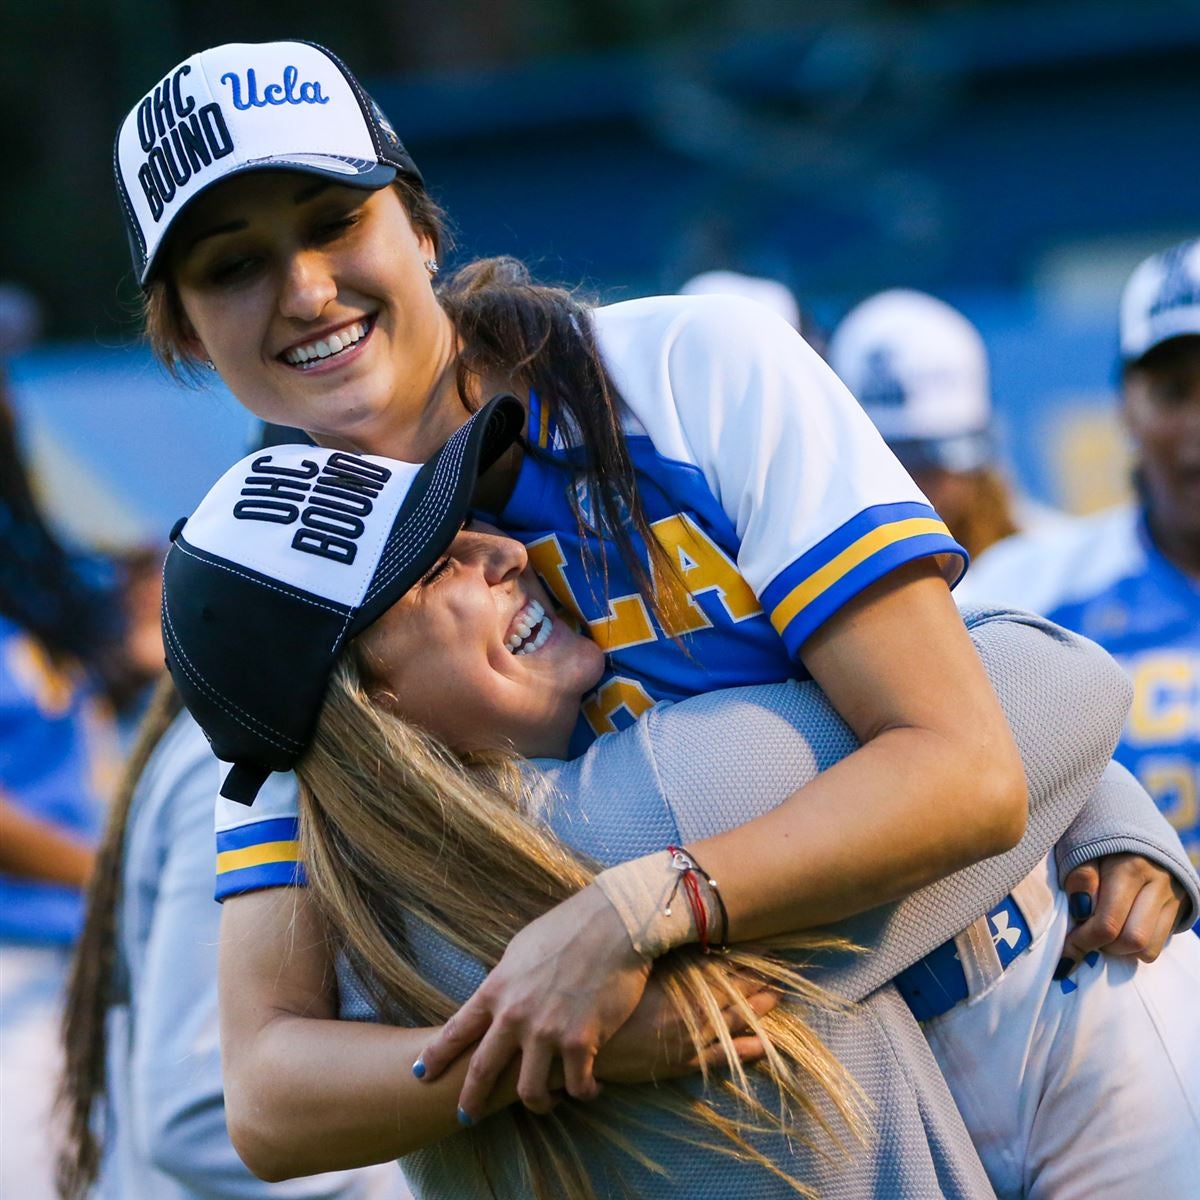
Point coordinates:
[[425, 857], [699, 489]]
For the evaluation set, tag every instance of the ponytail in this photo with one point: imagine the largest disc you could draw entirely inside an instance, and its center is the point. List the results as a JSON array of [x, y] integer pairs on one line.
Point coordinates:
[[90, 987]]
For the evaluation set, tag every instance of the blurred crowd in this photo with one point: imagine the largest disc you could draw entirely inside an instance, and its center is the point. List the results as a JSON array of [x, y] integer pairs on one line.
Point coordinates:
[[80, 651]]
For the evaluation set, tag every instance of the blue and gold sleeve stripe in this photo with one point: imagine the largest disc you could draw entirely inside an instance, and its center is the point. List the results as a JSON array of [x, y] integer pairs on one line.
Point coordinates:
[[541, 428], [801, 598], [263, 854]]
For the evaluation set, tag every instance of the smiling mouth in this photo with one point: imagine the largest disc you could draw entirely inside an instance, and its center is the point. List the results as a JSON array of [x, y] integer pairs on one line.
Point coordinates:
[[321, 350], [531, 630]]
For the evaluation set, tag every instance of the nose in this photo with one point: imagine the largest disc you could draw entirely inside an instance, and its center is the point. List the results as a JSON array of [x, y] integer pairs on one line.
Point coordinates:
[[307, 286], [502, 558]]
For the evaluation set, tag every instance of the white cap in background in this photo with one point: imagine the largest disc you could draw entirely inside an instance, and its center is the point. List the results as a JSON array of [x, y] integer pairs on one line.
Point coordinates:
[[1161, 300], [920, 370], [774, 295]]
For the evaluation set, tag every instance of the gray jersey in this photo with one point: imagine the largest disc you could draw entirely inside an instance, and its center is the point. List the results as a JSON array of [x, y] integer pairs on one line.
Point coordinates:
[[688, 770]]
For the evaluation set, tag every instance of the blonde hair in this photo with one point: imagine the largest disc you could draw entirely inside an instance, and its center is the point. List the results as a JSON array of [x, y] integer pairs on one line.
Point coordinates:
[[395, 826]]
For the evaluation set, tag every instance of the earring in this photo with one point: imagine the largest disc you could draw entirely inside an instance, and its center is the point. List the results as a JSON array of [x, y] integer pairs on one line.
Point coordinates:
[[208, 362], [431, 265]]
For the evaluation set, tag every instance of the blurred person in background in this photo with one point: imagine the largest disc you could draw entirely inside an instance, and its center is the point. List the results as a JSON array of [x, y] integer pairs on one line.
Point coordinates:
[[142, 1093], [776, 296], [920, 369], [56, 754], [1129, 578]]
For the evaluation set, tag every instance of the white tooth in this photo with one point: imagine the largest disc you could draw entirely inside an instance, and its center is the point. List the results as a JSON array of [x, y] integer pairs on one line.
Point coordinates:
[[523, 627], [536, 610], [321, 349], [513, 642], [334, 343], [543, 635], [303, 355]]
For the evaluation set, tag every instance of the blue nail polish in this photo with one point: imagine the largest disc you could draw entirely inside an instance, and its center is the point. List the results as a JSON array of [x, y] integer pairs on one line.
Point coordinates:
[[1092, 959], [1080, 904], [1063, 969], [419, 1069], [464, 1117]]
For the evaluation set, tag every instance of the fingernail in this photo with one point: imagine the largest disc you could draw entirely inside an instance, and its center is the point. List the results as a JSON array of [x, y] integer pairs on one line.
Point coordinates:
[[1080, 904], [419, 1069], [464, 1117], [1063, 969]]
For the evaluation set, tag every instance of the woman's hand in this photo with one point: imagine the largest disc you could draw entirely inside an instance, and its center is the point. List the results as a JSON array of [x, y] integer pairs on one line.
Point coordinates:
[[567, 982], [1126, 905], [654, 1043]]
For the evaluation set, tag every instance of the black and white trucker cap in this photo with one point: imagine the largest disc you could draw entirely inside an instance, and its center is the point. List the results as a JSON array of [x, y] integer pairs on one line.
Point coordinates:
[[293, 552], [283, 106]]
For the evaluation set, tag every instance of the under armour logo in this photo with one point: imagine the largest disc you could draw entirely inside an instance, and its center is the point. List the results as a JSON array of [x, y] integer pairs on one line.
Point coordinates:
[[1003, 931]]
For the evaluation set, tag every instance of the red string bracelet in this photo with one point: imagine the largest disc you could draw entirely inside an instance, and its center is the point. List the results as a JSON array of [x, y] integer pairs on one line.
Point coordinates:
[[690, 873]]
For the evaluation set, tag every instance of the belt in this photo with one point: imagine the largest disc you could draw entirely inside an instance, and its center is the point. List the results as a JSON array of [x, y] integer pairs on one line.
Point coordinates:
[[936, 983]]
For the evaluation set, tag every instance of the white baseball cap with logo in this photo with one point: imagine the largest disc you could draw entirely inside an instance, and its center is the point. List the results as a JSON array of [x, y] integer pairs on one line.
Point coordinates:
[[284, 106], [1161, 301], [770, 292], [920, 370]]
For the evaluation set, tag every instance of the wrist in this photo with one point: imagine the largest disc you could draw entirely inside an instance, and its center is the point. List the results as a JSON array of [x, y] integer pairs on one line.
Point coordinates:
[[655, 911]]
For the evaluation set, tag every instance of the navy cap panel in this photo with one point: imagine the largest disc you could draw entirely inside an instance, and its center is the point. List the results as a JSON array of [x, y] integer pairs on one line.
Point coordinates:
[[223, 642]]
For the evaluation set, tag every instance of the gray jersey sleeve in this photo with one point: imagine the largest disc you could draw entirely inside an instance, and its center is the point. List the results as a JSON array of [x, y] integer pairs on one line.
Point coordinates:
[[718, 756]]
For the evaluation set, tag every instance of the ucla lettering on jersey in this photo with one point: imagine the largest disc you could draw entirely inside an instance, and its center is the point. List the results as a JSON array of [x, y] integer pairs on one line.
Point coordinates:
[[768, 487], [714, 629]]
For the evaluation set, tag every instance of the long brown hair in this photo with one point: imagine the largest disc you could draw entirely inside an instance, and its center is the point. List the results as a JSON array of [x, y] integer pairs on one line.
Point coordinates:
[[509, 325], [90, 988], [395, 827]]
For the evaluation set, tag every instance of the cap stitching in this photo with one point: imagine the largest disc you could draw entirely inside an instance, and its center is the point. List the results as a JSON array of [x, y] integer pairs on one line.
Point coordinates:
[[123, 193], [222, 701], [454, 448], [360, 95], [412, 529], [283, 591], [428, 521]]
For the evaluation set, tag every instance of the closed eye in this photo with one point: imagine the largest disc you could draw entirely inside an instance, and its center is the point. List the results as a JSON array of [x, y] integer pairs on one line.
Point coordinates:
[[436, 571]]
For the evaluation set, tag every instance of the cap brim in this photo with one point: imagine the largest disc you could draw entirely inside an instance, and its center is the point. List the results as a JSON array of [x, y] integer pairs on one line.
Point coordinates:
[[964, 452], [438, 502], [349, 172], [1132, 360]]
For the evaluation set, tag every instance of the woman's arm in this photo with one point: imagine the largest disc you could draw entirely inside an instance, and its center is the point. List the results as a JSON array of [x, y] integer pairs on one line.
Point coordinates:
[[35, 849], [937, 784], [306, 1093], [177, 1093]]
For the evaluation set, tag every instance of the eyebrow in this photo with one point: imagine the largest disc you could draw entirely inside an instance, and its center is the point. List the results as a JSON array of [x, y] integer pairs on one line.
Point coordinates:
[[303, 196]]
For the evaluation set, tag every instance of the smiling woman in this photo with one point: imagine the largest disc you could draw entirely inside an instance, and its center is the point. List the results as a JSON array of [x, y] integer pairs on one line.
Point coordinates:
[[316, 312], [700, 497]]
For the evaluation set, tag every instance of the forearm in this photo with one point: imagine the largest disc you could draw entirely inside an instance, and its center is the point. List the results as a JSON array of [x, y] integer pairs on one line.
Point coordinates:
[[899, 813], [322, 1095], [35, 849]]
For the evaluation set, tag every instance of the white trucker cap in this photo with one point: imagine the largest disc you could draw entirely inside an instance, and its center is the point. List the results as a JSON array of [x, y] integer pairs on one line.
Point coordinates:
[[920, 370], [284, 106], [775, 295], [1161, 300]]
